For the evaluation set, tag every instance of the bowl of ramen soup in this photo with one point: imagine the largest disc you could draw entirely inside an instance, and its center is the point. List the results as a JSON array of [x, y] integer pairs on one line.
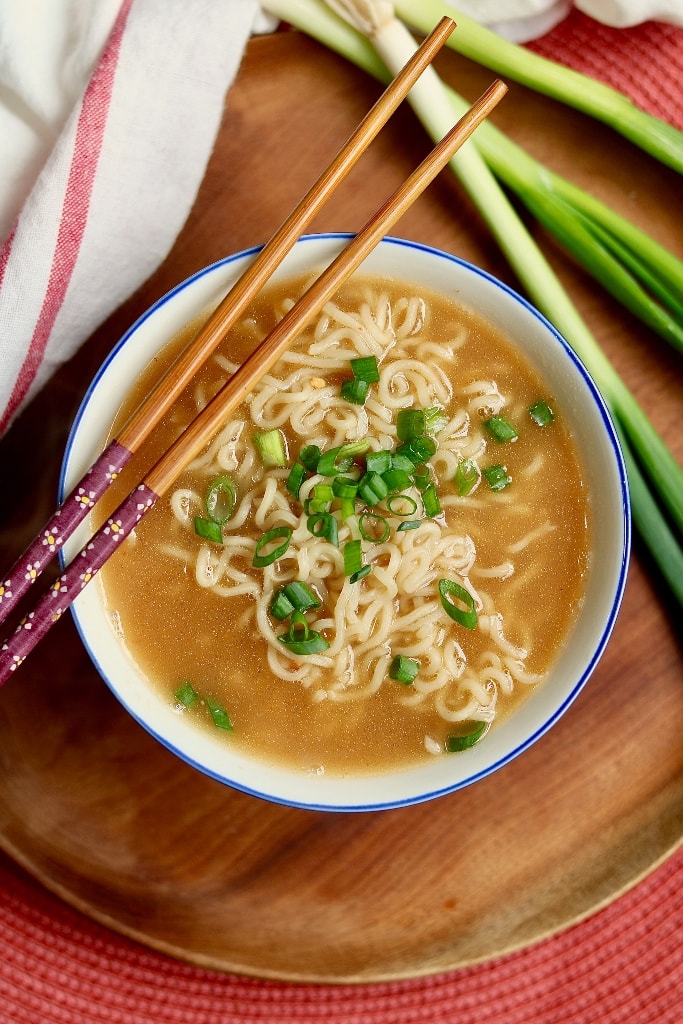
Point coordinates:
[[393, 567]]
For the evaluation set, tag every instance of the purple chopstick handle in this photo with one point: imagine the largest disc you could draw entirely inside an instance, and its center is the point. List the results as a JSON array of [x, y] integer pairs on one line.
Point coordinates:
[[57, 531], [75, 577]]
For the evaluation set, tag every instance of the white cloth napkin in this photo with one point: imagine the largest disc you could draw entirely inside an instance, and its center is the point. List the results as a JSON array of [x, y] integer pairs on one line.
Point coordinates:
[[108, 114]]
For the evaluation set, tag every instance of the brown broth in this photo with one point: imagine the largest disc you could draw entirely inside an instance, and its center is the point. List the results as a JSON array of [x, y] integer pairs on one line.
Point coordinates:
[[176, 630]]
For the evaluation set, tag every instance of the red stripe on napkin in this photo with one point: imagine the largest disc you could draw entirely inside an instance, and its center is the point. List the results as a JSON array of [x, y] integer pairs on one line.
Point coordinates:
[[86, 152]]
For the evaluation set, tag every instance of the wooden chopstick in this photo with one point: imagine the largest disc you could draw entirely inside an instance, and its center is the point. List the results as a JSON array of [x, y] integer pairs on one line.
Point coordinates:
[[108, 538], [96, 480]]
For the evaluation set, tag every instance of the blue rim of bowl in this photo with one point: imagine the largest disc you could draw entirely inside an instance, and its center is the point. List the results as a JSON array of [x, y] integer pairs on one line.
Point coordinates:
[[616, 600]]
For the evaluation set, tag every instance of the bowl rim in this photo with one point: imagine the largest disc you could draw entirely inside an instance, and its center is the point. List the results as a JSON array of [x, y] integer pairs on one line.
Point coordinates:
[[527, 740]]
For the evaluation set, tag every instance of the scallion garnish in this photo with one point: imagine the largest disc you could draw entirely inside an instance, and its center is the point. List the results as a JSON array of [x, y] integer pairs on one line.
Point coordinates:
[[458, 603], [220, 499], [397, 479], [422, 477], [373, 527], [220, 716], [260, 560], [418, 449], [296, 596], [186, 694], [354, 391], [320, 500], [435, 419], [309, 456], [466, 476], [301, 595], [347, 509], [365, 368], [500, 429], [297, 475], [541, 413], [409, 524], [344, 487], [404, 670], [280, 606], [372, 488], [353, 558], [401, 462], [410, 423], [456, 742], [430, 501], [497, 477], [340, 459], [270, 445], [324, 524], [401, 504], [378, 462], [208, 530], [300, 639], [364, 570]]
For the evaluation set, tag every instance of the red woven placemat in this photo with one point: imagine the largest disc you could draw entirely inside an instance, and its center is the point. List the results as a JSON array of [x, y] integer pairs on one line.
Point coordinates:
[[644, 62], [624, 964]]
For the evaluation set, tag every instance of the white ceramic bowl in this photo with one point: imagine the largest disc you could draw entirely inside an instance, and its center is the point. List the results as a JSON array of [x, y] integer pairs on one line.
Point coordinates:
[[574, 391]]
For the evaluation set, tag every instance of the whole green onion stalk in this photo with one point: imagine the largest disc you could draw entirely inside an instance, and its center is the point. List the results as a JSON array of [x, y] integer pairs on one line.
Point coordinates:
[[600, 101], [655, 478]]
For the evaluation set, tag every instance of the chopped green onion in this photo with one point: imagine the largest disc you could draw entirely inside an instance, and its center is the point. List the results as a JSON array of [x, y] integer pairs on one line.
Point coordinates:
[[353, 559], [271, 447], [466, 476], [302, 640], [220, 716], [430, 501], [409, 524], [500, 429], [497, 477], [373, 527], [280, 606], [320, 500], [422, 477], [347, 508], [364, 570], [297, 475], [260, 560], [397, 479], [301, 595], [401, 462], [454, 743], [186, 694], [404, 670], [372, 488], [378, 462], [208, 530], [541, 413], [310, 455], [410, 423], [418, 449], [354, 391], [344, 487], [396, 503], [340, 460], [324, 524], [435, 419], [220, 499], [365, 368], [451, 592]]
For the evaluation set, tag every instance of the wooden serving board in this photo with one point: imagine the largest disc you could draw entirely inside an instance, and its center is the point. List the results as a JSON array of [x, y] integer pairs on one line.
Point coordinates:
[[103, 816]]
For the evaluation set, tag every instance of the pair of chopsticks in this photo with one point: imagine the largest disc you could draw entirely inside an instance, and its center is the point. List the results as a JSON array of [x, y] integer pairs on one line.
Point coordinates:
[[95, 482]]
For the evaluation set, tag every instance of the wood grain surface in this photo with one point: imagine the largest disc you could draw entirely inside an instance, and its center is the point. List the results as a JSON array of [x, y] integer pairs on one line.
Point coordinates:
[[103, 816]]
